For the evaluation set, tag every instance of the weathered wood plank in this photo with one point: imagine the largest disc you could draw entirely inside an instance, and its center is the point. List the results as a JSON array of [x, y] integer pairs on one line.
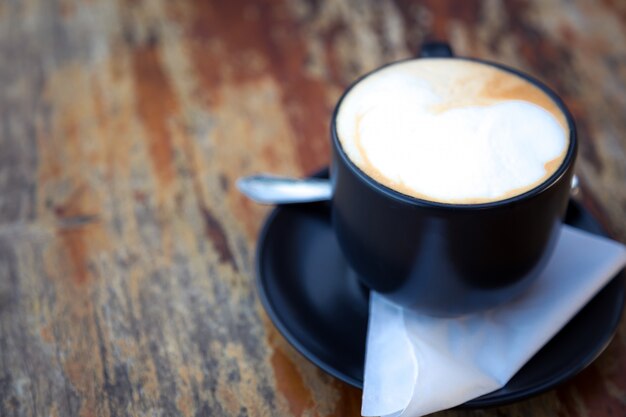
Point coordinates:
[[126, 253]]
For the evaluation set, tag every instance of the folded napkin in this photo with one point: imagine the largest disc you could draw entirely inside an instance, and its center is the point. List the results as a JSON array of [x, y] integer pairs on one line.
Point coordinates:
[[416, 364]]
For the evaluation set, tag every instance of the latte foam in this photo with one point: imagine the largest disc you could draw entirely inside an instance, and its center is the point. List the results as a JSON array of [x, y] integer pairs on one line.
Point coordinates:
[[452, 131]]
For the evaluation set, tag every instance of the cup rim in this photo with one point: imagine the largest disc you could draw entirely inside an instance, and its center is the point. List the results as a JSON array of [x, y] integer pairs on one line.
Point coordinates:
[[411, 200]]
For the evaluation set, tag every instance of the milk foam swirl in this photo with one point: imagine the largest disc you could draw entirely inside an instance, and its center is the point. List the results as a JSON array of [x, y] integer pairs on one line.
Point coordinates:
[[452, 131]]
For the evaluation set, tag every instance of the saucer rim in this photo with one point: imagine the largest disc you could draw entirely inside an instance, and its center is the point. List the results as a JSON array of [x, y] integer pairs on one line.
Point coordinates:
[[274, 317]]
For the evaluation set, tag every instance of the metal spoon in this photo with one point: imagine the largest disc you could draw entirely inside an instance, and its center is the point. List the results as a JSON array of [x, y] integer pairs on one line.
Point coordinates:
[[272, 189]]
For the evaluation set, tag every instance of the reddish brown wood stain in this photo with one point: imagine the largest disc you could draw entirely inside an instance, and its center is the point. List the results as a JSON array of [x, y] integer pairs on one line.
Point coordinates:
[[290, 384], [76, 247], [351, 401], [443, 13], [155, 106], [263, 41]]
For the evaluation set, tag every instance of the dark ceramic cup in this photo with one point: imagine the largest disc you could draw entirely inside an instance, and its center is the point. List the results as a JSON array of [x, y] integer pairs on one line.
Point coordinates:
[[447, 259]]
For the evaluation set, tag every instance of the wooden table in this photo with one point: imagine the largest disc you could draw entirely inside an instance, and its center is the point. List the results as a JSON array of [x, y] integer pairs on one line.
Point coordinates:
[[126, 253]]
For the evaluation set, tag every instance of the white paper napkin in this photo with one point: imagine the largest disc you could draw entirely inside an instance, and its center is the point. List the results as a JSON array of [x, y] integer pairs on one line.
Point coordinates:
[[416, 364]]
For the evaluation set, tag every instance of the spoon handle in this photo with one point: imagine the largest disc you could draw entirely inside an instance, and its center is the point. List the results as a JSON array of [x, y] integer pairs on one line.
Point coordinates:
[[272, 189]]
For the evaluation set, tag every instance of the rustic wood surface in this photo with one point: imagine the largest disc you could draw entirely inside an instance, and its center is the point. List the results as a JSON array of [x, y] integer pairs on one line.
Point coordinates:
[[126, 253]]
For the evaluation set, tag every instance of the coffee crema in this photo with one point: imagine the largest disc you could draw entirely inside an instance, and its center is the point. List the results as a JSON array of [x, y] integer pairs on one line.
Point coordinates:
[[452, 131]]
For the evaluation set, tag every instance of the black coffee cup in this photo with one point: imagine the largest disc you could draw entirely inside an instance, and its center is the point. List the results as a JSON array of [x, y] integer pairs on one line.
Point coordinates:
[[447, 259]]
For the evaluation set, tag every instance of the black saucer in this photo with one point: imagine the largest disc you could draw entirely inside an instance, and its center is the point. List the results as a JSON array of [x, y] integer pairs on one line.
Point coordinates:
[[316, 302]]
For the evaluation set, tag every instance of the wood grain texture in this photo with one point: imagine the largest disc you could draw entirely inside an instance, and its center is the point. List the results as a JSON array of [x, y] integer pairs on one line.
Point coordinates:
[[126, 253]]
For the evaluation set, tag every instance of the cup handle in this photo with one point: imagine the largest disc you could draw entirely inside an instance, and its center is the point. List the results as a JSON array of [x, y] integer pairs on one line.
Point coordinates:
[[435, 50]]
